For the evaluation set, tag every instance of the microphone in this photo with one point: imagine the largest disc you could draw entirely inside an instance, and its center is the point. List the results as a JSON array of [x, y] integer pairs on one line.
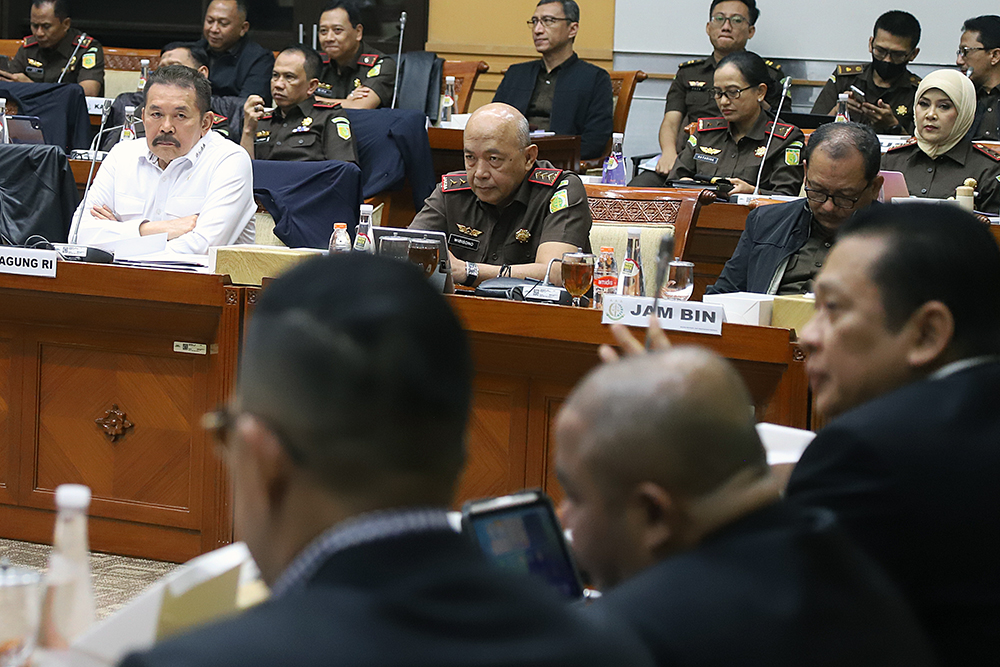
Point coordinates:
[[79, 41], [784, 93], [75, 226], [399, 58], [663, 257]]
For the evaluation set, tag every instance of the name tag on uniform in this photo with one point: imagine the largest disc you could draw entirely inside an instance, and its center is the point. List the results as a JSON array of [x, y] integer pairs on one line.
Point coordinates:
[[711, 159], [463, 242], [37, 71]]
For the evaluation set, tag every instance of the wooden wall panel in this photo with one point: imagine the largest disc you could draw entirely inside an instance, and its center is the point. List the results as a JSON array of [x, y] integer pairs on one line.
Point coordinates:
[[8, 453]]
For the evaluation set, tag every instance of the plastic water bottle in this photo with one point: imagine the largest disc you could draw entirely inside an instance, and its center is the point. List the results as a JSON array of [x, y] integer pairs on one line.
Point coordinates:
[[842, 115], [363, 238], [68, 602], [340, 240], [4, 137], [143, 73], [630, 278], [605, 276], [447, 100], [614, 165], [128, 129]]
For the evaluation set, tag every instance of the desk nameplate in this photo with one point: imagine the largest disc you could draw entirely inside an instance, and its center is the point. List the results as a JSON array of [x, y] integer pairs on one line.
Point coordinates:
[[690, 316], [28, 262]]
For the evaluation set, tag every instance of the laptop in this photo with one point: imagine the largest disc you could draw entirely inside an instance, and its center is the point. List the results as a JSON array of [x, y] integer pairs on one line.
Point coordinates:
[[25, 130], [894, 185]]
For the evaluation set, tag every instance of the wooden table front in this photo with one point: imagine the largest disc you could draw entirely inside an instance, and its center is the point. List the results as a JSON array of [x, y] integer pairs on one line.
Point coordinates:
[[448, 151], [95, 390]]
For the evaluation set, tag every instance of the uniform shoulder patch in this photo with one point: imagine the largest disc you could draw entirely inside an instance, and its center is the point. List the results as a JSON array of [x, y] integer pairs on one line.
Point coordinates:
[[83, 42], [780, 130], [773, 65], [847, 70], [696, 61], [906, 144], [915, 80], [326, 105], [545, 176], [368, 59], [709, 124], [29, 41], [455, 182], [987, 151], [219, 118]]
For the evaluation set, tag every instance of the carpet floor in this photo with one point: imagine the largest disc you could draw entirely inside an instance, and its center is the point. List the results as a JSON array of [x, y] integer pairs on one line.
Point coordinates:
[[117, 579]]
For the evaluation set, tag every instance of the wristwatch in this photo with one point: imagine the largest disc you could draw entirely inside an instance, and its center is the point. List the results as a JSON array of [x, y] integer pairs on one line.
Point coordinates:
[[471, 274]]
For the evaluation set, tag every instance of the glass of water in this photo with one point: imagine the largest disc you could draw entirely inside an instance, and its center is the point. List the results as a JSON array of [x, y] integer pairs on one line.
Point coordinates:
[[680, 281], [19, 597]]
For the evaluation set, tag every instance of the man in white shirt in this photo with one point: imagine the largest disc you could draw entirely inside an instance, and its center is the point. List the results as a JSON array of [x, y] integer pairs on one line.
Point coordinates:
[[183, 179]]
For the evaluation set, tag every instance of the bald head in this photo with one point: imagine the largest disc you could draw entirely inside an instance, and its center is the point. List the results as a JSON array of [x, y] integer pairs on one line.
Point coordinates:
[[680, 419], [500, 120], [498, 152]]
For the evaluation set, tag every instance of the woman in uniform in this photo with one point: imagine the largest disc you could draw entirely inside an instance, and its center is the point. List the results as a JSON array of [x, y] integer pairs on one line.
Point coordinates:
[[732, 146], [940, 157]]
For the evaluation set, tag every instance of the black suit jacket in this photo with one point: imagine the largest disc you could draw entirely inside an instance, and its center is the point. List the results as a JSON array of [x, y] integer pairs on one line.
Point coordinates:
[[782, 587], [423, 599], [914, 477], [583, 102]]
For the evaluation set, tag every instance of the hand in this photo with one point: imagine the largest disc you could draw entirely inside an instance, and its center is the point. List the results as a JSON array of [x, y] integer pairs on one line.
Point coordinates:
[[173, 228], [853, 106], [10, 76], [359, 93], [740, 187], [253, 109], [630, 344], [881, 115], [458, 269], [102, 212], [666, 162]]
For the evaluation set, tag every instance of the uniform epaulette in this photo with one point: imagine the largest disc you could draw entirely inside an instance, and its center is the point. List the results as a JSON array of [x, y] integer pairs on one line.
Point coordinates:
[[267, 116], [709, 124], [455, 182], [368, 59], [326, 105], [219, 118], [696, 61], [843, 70], [911, 142], [83, 42], [988, 151], [782, 131], [915, 80], [29, 41], [545, 176], [324, 58], [772, 65]]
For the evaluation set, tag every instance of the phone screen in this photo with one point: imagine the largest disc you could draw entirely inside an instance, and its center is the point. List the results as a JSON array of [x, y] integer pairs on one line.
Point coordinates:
[[527, 539], [5, 63]]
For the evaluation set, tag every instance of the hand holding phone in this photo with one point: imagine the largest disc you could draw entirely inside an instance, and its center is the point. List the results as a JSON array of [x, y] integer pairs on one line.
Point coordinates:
[[858, 94], [4, 63]]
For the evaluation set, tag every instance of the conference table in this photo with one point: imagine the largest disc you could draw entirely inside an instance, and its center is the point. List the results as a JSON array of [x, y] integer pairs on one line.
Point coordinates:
[[106, 371], [448, 151]]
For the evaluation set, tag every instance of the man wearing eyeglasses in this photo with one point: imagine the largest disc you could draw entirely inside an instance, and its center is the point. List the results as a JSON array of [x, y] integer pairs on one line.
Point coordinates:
[[783, 246], [979, 57], [560, 92], [888, 87]]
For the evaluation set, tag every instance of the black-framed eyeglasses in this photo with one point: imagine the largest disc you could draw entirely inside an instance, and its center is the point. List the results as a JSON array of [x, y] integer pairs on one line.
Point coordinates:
[[735, 20], [894, 56], [731, 93], [547, 21], [840, 201], [964, 51]]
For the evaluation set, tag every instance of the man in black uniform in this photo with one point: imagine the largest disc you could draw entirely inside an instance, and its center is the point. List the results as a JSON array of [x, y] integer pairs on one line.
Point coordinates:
[[52, 44], [354, 74], [238, 67], [300, 129], [508, 212], [730, 25], [887, 85], [979, 57], [784, 246]]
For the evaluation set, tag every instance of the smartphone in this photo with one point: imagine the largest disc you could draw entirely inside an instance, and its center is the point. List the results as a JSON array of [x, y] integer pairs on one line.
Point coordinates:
[[521, 533], [5, 63], [858, 94]]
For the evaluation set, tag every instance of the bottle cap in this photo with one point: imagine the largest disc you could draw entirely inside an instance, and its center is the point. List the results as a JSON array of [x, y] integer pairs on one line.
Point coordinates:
[[72, 496], [340, 225], [144, 62], [634, 232], [367, 208], [843, 97], [617, 136], [449, 79], [607, 248], [129, 109]]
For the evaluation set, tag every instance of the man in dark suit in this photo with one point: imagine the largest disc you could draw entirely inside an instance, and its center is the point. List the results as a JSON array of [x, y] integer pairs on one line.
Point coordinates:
[[344, 444], [560, 92], [675, 514], [904, 350], [238, 66]]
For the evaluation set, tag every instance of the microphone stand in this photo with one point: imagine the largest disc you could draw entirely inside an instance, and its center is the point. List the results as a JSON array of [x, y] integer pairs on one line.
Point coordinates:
[[663, 257], [770, 136], [75, 226], [399, 58], [79, 41]]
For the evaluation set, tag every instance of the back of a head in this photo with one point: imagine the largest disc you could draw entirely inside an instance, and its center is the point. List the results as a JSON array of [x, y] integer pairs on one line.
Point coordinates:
[[988, 27], [363, 371], [937, 253], [681, 418], [311, 62], [840, 140], [198, 54], [753, 13], [901, 24]]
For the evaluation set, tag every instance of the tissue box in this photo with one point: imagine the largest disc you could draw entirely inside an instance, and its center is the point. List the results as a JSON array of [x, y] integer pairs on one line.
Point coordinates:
[[744, 307], [249, 264], [792, 312]]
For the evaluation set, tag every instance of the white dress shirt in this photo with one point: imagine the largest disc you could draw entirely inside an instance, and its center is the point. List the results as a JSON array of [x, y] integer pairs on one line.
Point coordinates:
[[214, 180]]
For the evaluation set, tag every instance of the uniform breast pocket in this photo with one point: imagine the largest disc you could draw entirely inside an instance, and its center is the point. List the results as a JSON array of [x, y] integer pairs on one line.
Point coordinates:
[[129, 207], [178, 207], [303, 140], [517, 253]]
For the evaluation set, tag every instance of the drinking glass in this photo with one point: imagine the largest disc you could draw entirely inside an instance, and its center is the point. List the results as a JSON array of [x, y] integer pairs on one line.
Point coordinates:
[[394, 247], [680, 281], [19, 591], [578, 273], [425, 253]]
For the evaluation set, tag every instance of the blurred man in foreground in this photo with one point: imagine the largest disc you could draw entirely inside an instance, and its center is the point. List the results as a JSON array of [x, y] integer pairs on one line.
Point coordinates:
[[675, 514]]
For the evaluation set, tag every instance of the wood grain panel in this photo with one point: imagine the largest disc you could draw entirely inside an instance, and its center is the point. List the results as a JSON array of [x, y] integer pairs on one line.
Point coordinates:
[[545, 401], [8, 453]]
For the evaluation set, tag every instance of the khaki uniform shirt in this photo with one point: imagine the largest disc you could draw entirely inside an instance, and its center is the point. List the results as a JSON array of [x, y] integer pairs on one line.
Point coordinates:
[[372, 69], [939, 178], [45, 65], [711, 151], [691, 92], [311, 131], [899, 96], [549, 205], [986, 126], [802, 267]]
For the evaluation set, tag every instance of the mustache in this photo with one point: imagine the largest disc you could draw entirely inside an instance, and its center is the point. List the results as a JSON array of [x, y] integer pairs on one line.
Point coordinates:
[[165, 139]]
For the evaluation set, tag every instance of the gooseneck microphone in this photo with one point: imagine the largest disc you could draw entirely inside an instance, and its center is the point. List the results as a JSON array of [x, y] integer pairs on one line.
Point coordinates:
[[784, 93], [74, 228], [79, 41], [399, 57]]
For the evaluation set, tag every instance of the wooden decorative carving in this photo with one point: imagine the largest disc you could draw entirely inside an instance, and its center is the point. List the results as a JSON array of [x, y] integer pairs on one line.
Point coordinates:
[[232, 296], [114, 423], [798, 354], [252, 296], [631, 211]]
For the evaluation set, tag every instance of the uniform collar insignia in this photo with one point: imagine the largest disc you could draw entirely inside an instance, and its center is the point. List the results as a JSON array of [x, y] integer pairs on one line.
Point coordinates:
[[522, 235], [469, 231], [710, 151]]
